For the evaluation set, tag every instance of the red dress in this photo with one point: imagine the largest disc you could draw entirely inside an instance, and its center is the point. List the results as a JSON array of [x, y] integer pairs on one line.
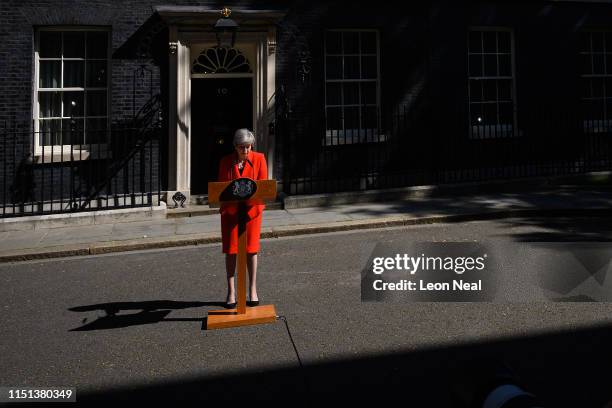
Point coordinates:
[[255, 167]]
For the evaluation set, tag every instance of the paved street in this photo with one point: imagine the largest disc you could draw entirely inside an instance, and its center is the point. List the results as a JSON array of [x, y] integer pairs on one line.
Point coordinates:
[[129, 326]]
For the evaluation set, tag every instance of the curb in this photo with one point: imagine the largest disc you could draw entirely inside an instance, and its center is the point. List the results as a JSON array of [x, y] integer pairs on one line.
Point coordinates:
[[285, 231]]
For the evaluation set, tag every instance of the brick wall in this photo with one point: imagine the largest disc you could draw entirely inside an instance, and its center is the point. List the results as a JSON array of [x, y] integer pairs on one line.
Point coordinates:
[[423, 69]]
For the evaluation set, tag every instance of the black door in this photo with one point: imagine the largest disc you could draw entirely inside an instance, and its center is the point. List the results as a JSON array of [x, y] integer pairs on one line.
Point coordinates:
[[219, 106]]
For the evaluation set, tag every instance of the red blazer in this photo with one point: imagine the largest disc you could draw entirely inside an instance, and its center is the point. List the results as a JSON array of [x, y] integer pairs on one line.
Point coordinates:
[[255, 168]]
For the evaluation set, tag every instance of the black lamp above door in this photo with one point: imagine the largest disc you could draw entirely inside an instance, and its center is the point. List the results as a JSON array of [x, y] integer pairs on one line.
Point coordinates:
[[225, 29]]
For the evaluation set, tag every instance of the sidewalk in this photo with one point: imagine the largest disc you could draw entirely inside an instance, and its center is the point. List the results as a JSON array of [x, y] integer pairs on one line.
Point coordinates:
[[204, 229]]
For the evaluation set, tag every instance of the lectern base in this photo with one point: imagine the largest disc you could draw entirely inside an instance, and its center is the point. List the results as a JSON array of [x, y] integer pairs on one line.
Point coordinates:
[[221, 319]]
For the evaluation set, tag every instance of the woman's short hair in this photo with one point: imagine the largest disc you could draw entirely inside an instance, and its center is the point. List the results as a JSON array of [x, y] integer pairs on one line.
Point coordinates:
[[244, 136]]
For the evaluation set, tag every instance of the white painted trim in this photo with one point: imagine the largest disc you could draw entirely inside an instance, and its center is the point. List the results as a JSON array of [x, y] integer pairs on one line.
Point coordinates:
[[180, 97], [202, 76], [59, 151]]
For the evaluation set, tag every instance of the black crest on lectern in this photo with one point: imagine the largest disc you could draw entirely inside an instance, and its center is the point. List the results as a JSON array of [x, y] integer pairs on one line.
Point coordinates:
[[239, 189]]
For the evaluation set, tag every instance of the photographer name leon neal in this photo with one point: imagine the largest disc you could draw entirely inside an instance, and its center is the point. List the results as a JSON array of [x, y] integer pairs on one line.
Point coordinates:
[[404, 284], [457, 284]]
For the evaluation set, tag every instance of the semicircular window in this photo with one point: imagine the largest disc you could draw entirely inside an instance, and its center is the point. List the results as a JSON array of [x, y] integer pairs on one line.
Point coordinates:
[[220, 60]]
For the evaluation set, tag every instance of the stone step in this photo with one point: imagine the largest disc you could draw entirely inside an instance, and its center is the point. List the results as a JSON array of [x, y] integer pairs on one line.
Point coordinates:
[[194, 210]]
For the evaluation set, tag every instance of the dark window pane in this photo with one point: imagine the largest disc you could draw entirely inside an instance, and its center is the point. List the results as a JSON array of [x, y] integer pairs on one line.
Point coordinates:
[[587, 68], [74, 44], [97, 44], [585, 42], [95, 130], [351, 67], [608, 41], [504, 89], [351, 42], [585, 88], [505, 113], [50, 104], [50, 44], [490, 90], [368, 68], [96, 103], [608, 108], [351, 118], [598, 87], [96, 74], [368, 93], [503, 41], [50, 132], [73, 104], [72, 131], [598, 64], [334, 68], [351, 93], [334, 96], [476, 114], [50, 74], [370, 120], [334, 118], [74, 74], [475, 41], [475, 90], [333, 42], [587, 109], [490, 65], [368, 43], [505, 65], [597, 42], [475, 65], [608, 85], [489, 41], [489, 115]]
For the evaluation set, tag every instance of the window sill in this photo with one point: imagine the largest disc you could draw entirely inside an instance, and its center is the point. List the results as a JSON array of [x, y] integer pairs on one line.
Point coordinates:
[[494, 132], [347, 138], [70, 156], [597, 126]]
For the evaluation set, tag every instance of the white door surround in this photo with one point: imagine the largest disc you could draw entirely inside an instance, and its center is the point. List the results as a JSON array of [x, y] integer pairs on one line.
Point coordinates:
[[190, 31]]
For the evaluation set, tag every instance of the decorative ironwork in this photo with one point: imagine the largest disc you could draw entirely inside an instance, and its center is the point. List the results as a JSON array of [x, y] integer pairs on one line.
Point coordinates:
[[271, 42], [178, 196], [305, 64], [172, 47], [217, 60], [299, 44], [139, 82]]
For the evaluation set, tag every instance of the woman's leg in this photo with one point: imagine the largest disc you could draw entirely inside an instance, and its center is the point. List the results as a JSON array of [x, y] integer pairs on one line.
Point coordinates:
[[252, 267], [230, 269]]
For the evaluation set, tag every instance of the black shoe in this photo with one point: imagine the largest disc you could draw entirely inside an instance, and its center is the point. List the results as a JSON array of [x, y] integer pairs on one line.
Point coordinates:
[[253, 303], [230, 305]]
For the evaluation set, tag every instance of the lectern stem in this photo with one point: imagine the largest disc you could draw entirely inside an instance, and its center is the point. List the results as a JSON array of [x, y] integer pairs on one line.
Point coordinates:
[[242, 261]]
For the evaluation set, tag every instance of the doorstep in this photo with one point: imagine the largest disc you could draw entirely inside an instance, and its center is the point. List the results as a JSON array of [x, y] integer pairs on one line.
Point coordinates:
[[35, 222]]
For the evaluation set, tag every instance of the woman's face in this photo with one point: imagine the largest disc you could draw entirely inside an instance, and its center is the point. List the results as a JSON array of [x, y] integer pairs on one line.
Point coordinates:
[[243, 150]]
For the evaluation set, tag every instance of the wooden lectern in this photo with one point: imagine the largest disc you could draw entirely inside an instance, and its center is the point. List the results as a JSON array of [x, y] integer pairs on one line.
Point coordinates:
[[242, 191]]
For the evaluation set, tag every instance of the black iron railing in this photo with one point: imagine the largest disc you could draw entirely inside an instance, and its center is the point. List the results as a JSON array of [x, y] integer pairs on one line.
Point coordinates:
[[69, 169], [419, 147]]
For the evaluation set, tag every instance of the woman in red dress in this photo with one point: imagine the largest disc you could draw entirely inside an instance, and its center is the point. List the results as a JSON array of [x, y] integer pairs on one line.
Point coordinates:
[[244, 162]]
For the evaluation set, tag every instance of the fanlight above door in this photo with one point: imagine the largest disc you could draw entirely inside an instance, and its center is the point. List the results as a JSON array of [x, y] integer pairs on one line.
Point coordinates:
[[217, 60]]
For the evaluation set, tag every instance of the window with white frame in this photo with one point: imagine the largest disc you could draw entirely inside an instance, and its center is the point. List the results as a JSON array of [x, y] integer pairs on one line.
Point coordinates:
[[72, 87], [352, 87], [491, 83], [596, 80]]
